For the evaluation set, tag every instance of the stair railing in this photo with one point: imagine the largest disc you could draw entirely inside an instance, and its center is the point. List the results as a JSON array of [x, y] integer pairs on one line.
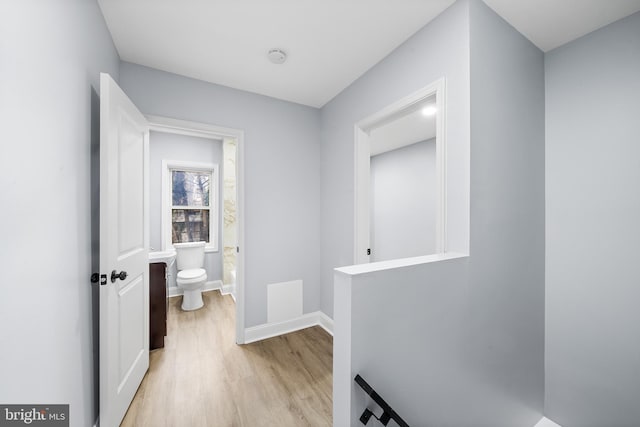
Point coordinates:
[[388, 413]]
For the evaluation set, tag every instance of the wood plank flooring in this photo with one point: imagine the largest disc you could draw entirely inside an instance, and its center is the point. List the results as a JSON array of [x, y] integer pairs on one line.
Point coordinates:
[[203, 379]]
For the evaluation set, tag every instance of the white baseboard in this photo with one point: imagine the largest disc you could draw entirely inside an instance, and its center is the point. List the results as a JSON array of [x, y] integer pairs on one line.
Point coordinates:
[[228, 289], [325, 322], [213, 285], [545, 422], [269, 330]]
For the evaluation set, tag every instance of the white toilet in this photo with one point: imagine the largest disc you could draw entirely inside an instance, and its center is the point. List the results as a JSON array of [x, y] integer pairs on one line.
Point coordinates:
[[191, 275]]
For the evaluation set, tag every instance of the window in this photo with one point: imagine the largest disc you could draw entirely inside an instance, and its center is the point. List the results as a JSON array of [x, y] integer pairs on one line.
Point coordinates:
[[190, 204]]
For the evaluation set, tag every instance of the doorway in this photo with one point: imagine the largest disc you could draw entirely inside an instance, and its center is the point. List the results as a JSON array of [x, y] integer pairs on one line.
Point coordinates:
[[232, 197]]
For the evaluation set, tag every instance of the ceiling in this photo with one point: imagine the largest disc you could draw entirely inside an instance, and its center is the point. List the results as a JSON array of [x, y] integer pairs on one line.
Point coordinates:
[[329, 43], [408, 127]]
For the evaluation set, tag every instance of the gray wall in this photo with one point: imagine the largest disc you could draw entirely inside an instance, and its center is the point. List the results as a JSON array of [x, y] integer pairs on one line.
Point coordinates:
[[441, 49], [412, 347], [506, 268], [169, 146], [403, 202], [282, 174], [592, 238], [52, 54], [461, 343]]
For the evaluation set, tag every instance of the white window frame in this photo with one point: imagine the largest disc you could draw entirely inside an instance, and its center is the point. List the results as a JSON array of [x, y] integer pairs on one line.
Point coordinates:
[[167, 198]]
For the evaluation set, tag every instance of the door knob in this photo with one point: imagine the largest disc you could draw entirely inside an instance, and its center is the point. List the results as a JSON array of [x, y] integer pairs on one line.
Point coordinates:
[[115, 276]]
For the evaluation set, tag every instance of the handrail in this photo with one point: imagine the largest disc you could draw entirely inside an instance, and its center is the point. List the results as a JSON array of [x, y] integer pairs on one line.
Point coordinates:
[[387, 412]]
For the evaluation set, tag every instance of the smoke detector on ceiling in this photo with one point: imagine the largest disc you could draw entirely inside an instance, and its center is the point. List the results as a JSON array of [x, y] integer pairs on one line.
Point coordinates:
[[277, 56]]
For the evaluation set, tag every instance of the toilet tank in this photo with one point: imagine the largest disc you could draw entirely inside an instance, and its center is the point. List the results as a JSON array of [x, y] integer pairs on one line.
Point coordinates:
[[189, 255]]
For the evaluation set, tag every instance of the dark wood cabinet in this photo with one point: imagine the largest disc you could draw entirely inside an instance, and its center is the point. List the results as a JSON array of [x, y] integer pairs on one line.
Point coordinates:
[[157, 304]]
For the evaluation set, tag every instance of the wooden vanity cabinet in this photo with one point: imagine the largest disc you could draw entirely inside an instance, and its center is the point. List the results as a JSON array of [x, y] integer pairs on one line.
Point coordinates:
[[157, 304]]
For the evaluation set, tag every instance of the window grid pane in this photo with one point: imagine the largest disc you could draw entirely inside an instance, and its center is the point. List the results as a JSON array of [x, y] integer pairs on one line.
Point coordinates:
[[190, 188], [189, 225]]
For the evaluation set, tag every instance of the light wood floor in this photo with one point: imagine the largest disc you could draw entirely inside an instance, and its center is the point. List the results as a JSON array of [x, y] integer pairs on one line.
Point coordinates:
[[202, 378]]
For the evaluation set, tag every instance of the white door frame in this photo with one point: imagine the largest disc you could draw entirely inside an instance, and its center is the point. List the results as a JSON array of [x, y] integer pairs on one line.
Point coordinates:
[[203, 130], [362, 159]]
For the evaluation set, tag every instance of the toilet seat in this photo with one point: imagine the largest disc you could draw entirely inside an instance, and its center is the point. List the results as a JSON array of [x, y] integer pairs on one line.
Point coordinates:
[[193, 275]]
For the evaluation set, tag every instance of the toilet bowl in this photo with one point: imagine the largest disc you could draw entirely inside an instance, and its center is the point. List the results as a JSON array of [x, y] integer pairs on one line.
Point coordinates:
[[191, 276]]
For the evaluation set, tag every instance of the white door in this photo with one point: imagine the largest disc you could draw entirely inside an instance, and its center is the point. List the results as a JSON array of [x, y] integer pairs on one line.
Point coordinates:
[[124, 298]]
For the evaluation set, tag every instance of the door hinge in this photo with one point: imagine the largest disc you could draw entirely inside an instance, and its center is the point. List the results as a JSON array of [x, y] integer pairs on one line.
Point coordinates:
[[369, 251], [102, 278], [237, 249]]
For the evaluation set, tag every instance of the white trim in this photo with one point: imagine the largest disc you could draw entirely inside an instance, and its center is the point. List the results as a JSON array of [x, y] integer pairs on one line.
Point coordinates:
[[270, 330], [392, 264], [441, 167], [392, 110], [362, 177], [204, 130], [213, 285], [228, 289], [174, 291], [238, 295], [147, 192], [325, 322], [189, 128], [362, 160], [214, 220]]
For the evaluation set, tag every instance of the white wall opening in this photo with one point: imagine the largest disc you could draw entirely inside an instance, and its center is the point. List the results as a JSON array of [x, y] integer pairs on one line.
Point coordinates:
[[390, 130], [217, 133]]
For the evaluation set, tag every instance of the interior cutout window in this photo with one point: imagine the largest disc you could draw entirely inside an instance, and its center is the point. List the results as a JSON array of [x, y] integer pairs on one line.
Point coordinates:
[[403, 179], [400, 179]]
